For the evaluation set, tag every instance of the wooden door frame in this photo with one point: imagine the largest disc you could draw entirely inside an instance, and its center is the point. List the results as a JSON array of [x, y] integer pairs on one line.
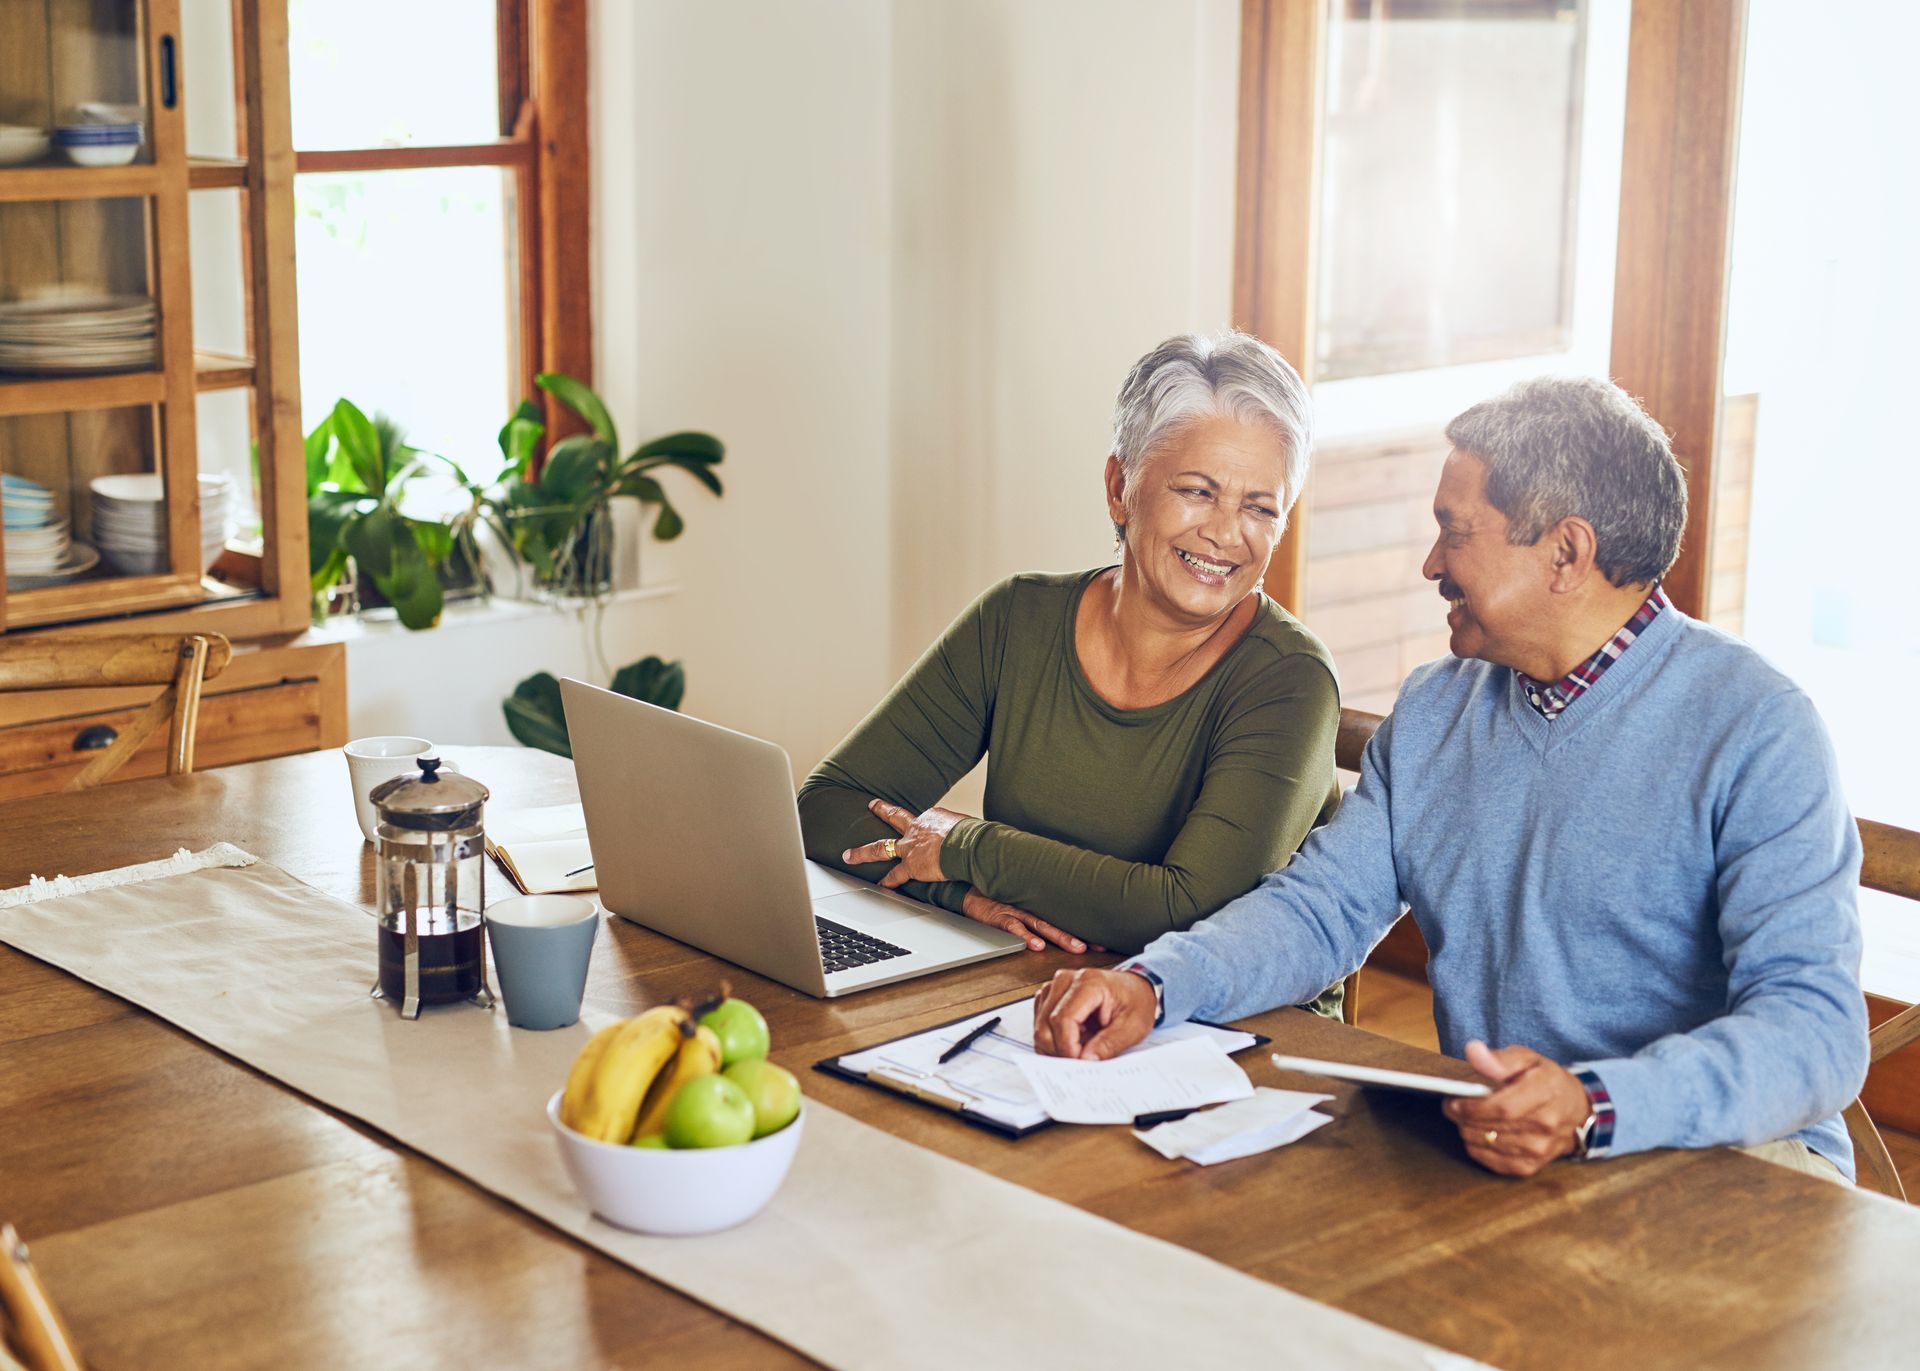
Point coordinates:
[[1684, 65], [1276, 212], [1676, 210]]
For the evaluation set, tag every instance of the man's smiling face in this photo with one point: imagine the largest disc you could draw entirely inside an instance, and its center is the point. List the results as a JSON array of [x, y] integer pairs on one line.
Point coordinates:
[[1501, 604]]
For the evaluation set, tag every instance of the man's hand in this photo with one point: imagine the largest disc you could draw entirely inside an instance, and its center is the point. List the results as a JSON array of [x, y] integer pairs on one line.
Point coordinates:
[[916, 852], [1092, 1014], [1533, 1115]]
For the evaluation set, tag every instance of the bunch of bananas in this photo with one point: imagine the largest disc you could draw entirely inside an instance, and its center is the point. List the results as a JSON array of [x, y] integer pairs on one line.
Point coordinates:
[[625, 1077]]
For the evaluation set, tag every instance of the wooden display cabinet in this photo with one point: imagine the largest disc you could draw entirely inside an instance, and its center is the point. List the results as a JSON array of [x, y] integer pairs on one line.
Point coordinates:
[[127, 231]]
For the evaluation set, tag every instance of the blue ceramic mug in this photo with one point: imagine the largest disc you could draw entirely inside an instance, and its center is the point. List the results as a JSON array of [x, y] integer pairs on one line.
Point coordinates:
[[541, 947]]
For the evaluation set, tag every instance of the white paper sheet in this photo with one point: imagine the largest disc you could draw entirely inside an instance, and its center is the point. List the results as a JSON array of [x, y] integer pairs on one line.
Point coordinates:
[[1271, 1118], [1177, 1075]]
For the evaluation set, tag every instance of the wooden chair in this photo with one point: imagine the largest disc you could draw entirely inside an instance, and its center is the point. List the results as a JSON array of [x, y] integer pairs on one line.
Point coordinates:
[[1356, 731], [1890, 863], [180, 663]]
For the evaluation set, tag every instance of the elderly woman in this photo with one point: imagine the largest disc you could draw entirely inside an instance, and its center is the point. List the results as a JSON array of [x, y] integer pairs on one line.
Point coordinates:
[[1158, 734]]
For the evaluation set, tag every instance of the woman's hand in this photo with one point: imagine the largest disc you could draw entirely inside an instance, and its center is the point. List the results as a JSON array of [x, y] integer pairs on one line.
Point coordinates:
[[1036, 930], [916, 852], [916, 857]]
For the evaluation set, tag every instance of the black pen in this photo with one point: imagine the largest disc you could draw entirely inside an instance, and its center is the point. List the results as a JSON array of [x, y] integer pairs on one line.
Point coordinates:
[[578, 869], [972, 1037]]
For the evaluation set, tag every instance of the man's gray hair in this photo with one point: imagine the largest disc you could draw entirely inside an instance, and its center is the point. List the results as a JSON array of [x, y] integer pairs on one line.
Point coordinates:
[[1563, 446], [1230, 374]]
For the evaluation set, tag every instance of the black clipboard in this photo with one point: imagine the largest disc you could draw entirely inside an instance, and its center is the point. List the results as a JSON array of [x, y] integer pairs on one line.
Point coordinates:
[[831, 1066]]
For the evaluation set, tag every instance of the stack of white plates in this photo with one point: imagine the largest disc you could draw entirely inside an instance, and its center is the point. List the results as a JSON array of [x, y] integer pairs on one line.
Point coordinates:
[[39, 552], [130, 521], [78, 333]]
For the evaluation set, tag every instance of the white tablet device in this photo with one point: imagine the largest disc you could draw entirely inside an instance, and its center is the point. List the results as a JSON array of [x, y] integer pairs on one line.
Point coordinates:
[[1377, 1076]]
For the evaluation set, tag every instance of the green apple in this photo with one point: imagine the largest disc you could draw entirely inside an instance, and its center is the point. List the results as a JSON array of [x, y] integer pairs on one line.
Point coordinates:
[[772, 1089], [658, 1140], [742, 1032], [709, 1111]]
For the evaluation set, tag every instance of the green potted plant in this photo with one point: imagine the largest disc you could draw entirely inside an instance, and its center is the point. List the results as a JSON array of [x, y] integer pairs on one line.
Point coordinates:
[[535, 716], [357, 471], [559, 520]]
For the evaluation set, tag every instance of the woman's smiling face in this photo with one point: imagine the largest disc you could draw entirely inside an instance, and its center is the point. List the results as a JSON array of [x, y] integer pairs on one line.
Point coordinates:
[[1203, 515]]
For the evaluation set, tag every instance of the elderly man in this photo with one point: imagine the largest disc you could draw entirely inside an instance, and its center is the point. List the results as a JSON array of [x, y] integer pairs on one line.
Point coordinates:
[[1621, 832]]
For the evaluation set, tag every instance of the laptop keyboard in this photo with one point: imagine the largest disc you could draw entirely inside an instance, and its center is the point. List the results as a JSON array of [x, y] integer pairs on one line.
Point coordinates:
[[843, 948]]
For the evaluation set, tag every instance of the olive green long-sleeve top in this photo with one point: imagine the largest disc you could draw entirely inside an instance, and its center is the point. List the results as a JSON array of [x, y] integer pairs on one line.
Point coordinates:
[[1118, 825]]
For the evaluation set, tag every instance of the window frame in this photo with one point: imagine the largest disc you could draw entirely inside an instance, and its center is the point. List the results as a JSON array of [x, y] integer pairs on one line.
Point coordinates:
[[1676, 214], [544, 144]]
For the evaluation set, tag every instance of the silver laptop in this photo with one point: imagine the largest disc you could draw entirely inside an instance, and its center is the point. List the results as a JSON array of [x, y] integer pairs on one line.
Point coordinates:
[[695, 834]]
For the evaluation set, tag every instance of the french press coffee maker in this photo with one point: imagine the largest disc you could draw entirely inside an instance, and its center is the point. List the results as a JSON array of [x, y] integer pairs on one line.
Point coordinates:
[[431, 889]]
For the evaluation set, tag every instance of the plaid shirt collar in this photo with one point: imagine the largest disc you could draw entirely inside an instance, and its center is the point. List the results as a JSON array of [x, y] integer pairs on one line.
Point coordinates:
[[1549, 700]]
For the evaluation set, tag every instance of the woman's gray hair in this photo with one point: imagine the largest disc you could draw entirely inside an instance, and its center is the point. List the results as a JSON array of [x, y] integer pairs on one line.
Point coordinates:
[[1231, 374], [1562, 446]]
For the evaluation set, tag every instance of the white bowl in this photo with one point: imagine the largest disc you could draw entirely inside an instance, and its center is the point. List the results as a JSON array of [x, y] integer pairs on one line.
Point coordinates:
[[101, 154], [672, 1193], [19, 149], [146, 487]]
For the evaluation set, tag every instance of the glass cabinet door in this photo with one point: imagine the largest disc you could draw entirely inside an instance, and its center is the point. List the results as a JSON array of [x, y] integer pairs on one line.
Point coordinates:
[[110, 504]]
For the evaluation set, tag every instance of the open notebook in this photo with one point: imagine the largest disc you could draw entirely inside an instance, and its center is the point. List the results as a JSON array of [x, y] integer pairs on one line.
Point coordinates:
[[537, 848]]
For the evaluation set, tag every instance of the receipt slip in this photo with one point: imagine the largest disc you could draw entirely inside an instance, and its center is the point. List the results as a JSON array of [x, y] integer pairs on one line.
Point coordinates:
[[1271, 1118], [1178, 1075]]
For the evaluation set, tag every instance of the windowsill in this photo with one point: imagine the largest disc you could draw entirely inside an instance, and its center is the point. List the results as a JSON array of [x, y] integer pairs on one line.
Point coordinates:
[[493, 613]]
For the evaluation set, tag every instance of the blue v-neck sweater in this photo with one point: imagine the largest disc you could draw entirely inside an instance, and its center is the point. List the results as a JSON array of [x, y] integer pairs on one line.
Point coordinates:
[[1659, 884]]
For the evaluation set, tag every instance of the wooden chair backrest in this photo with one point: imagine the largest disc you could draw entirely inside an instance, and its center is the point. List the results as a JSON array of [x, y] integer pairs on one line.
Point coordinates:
[[180, 663], [1890, 862]]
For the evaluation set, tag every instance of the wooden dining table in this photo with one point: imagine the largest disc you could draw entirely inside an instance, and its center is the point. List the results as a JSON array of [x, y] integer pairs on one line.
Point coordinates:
[[187, 1211]]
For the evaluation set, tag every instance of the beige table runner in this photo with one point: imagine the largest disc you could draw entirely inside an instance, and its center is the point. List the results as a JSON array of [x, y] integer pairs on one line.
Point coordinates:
[[876, 1253]]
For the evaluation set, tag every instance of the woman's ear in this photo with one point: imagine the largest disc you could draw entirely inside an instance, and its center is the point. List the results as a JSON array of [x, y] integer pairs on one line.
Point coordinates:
[[1116, 490]]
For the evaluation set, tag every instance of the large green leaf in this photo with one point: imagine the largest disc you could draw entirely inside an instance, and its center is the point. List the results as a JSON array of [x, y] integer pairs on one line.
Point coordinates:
[[360, 441], [668, 525], [688, 445], [328, 514], [521, 435], [328, 573], [412, 587], [435, 540], [578, 396], [652, 680], [574, 468], [317, 444], [703, 474], [374, 541], [536, 716]]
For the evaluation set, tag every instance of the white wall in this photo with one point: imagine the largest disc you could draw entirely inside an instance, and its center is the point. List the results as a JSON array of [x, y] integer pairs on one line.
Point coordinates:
[[1063, 175], [899, 257]]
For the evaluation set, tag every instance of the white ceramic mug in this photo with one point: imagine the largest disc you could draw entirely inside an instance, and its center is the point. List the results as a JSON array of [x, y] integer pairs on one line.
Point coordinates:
[[373, 760]]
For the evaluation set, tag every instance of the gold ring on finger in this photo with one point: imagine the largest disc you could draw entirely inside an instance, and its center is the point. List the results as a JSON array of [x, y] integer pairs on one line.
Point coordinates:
[[1493, 1136], [892, 849]]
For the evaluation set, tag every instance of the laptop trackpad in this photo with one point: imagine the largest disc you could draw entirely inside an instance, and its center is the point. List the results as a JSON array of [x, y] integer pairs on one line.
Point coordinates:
[[824, 881], [869, 909]]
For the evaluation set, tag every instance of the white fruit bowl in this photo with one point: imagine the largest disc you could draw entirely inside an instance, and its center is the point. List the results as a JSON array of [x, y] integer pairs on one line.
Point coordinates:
[[676, 1193]]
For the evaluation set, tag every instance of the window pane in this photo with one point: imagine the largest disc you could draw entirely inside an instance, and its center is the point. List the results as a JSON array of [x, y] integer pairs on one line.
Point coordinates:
[[1471, 163], [1814, 483], [1449, 183], [385, 73], [406, 302]]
